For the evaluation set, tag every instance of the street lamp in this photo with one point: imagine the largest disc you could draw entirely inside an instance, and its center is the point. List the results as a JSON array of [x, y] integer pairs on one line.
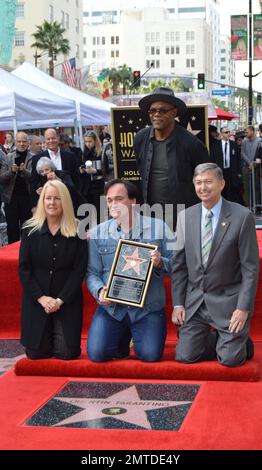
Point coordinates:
[[52, 59]]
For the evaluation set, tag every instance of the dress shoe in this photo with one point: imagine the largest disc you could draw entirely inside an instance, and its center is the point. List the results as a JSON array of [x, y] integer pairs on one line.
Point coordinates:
[[250, 348]]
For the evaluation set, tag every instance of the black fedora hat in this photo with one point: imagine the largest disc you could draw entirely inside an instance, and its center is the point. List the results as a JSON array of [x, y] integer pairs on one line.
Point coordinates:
[[163, 94]]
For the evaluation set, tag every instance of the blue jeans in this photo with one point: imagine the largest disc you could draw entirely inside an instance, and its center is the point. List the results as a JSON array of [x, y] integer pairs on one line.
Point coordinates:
[[109, 338]]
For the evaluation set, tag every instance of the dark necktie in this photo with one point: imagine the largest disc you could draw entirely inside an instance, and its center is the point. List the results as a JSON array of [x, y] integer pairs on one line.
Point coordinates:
[[225, 156]]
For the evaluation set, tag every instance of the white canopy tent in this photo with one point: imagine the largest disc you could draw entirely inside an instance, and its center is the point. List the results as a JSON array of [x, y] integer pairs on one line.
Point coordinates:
[[90, 110], [24, 105]]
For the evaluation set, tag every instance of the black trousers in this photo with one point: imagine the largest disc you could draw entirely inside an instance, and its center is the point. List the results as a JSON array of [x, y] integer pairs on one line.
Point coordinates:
[[53, 342], [17, 212]]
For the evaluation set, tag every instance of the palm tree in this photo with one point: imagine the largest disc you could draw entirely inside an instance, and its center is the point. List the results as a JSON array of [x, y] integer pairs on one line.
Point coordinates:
[[49, 38]]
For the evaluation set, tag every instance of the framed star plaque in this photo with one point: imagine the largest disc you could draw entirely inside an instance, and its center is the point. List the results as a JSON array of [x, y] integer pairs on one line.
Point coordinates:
[[130, 273]]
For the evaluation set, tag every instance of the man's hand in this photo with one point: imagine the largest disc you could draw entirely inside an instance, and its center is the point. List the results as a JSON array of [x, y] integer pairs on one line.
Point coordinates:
[[178, 316], [14, 168], [237, 321], [22, 167], [156, 258], [101, 297]]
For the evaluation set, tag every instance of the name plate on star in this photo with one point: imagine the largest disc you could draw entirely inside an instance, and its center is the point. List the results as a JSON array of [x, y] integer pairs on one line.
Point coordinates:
[[130, 273]]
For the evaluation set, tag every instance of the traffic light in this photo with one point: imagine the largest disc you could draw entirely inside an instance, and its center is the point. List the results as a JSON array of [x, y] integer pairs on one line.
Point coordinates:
[[136, 78], [259, 99], [201, 81]]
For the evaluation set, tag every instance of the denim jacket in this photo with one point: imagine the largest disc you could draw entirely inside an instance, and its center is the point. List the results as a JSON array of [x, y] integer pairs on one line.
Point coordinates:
[[102, 247]]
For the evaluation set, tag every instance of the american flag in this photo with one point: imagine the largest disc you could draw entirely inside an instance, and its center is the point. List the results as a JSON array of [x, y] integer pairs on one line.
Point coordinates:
[[69, 69]]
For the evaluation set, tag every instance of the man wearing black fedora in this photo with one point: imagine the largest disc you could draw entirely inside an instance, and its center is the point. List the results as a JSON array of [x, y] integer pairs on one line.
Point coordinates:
[[167, 153]]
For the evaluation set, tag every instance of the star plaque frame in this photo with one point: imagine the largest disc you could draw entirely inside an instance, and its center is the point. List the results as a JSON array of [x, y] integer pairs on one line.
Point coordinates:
[[130, 273]]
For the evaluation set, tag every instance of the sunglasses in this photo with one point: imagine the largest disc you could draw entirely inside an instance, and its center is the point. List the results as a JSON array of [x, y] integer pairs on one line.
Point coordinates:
[[160, 111]]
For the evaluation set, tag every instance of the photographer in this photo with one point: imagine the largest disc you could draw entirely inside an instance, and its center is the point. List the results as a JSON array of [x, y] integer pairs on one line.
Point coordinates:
[[15, 174]]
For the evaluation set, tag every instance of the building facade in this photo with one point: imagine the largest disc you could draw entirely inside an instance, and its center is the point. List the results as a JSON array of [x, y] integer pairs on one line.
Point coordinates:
[[32, 13], [141, 37], [180, 53]]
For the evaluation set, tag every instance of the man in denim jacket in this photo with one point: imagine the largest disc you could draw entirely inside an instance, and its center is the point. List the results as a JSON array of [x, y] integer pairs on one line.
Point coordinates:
[[114, 324]]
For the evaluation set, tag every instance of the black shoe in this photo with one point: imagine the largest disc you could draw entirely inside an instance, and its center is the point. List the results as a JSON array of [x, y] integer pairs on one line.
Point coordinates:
[[250, 348]]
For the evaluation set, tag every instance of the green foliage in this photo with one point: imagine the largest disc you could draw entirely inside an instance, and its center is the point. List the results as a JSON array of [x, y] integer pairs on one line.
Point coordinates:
[[49, 38]]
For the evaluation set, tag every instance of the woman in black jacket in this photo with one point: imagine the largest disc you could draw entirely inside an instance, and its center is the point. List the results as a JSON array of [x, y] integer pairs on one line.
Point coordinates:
[[92, 171], [52, 265]]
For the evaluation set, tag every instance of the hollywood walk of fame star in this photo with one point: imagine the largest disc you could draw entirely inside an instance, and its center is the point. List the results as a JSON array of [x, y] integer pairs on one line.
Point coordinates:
[[124, 406], [193, 131], [130, 121], [133, 262], [193, 118]]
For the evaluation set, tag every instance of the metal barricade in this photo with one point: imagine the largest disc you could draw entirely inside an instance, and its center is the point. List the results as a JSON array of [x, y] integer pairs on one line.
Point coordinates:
[[255, 188]]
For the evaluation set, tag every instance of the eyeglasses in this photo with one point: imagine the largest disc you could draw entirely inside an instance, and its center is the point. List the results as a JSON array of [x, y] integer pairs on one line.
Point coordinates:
[[160, 111]]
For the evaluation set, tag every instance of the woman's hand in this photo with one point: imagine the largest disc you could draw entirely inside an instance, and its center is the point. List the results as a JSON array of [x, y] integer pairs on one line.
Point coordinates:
[[49, 304]]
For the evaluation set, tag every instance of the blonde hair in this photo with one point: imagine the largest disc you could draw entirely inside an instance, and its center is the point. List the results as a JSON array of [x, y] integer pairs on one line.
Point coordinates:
[[68, 222], [93, 135]]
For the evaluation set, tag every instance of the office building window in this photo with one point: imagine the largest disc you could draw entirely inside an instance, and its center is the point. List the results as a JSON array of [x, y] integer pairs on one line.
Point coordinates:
[[67, 21], [190, 49], [167, 50], [117, 53], [177, 36], [190, 35], [177, 49], [94, 41], [112, 53], [103, 40], [157, 50], [172, 50], [20, 10], [112, 39], [117, 39], [93, 54], [190, 63], [147, 37], [167, 37], [62, 18], [77, 51], [85, 54], [152, 51], [19, 38], [51, 13], [157, 64], [77, 25], [172, 63]]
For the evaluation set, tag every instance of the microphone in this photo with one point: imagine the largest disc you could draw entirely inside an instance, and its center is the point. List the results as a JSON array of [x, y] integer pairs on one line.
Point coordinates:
[[141, 76], [119, 228]]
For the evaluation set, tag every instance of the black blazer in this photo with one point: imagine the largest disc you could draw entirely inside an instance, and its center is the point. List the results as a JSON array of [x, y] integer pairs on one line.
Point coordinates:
[[53, 266], [69, 165], [216, 154]]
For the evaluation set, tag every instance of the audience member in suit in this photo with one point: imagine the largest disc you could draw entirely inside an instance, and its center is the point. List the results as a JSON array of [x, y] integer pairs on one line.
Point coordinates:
[[226, 154], [15, 173], [52, 265], [63, 160], [36, 144], [66, 144], [214, 275]]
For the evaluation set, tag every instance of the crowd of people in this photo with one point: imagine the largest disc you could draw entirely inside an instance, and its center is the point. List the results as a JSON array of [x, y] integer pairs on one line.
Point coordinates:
[[208, 245]]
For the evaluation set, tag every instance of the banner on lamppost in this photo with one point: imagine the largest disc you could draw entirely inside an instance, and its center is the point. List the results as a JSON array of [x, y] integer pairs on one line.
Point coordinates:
[[239, 39], [257, 37]]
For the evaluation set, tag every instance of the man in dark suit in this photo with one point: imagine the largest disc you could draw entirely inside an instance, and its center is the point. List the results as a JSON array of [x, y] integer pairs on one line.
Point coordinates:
[[62, 159], [167, 153], [214, 275], [226, 154]]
